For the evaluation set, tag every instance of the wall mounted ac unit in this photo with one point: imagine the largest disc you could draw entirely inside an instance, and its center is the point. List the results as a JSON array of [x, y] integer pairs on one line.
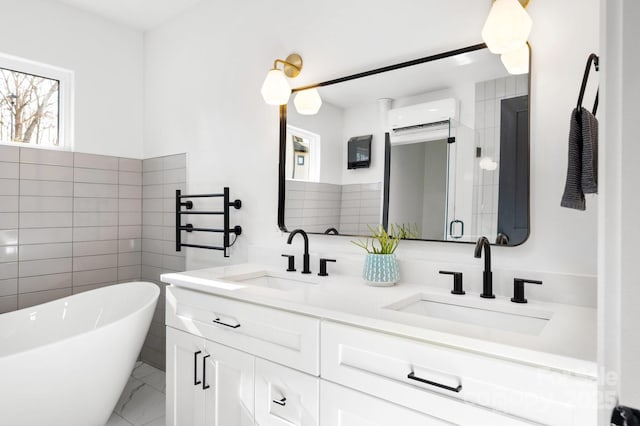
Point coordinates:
[[422, 122]]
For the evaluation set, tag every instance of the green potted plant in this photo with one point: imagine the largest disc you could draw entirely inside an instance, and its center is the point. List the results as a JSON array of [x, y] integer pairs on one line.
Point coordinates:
[[381, 265]]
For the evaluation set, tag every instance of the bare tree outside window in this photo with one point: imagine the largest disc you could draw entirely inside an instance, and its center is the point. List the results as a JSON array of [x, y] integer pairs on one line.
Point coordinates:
[[29, 109]]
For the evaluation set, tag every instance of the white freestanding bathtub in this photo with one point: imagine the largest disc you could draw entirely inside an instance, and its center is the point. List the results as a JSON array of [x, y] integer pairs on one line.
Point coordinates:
[[65, 363]]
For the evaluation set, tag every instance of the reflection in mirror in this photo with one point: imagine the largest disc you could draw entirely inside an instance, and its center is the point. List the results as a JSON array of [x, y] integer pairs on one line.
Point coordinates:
[[342, 187], [303, 154], [440, 147]]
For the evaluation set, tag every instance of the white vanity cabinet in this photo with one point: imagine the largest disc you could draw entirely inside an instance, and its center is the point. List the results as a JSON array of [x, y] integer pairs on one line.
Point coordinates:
[[207, 384], [215, 372], [271, 367]]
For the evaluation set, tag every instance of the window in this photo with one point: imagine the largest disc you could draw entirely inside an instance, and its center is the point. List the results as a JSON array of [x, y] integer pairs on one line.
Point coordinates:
[[35, 104]]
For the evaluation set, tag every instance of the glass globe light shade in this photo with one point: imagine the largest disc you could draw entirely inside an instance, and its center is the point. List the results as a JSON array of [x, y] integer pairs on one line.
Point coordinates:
[[275, 89], [507, 27], [517, 61], [308, 102]]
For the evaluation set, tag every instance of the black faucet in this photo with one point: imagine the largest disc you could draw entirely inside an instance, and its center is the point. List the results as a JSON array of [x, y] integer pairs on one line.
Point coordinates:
[[487, 280], [305, 257]]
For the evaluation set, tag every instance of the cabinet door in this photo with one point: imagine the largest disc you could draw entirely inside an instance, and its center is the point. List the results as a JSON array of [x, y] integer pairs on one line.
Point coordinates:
[[285, 397], [345, 407], [229, 386], [185, 399]]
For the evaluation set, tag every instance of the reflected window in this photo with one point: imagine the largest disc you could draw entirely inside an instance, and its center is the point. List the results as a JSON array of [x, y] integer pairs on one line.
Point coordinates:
[[303, 155]]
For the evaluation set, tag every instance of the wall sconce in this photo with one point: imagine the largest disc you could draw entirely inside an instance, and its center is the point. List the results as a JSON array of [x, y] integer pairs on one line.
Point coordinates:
[[507, 27], [307, 102], [506, 31], [275, 89]]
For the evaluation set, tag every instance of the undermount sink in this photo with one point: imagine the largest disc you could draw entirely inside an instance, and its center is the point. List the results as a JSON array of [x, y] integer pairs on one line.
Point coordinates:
[[271, 279], [518, 319]]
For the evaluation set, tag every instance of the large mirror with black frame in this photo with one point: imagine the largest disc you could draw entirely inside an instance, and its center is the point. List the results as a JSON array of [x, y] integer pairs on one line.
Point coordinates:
[[437, 147]]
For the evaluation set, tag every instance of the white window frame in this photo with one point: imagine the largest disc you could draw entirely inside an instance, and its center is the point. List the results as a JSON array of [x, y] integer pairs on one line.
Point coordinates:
[[66, 80]]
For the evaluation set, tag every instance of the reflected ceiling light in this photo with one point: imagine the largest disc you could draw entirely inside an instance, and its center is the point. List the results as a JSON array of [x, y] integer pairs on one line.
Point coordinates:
[[307, 102], [487, 163], [517, 61], [462, 60], [507, 27], [275, 89]]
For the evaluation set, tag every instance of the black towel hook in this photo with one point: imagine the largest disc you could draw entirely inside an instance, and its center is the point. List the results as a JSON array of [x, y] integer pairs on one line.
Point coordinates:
[[595, 60]]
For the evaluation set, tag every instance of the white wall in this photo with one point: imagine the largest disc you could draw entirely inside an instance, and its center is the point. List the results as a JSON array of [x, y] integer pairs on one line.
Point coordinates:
[[107, 60], [202, 91], [618, 314], [360, 120]]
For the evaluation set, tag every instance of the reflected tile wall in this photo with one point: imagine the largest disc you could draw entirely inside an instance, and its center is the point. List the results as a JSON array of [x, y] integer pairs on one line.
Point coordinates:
[[161, 177], [312, 206], [315, 207], [361, 208]]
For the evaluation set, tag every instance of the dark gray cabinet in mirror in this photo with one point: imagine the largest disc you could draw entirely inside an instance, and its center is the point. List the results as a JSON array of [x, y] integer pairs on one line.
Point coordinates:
[[437, 145]]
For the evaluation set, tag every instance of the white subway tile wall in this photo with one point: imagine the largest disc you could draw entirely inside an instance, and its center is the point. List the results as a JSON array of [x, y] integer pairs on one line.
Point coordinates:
[[72, 222], [161, 177]]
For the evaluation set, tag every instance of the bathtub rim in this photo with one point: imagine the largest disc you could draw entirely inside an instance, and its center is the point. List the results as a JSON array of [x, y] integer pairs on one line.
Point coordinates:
[[154, 299]]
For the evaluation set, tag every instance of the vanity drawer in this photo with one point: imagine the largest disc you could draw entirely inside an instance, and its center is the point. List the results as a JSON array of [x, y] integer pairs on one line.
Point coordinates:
[[284, 337], [450, 384], [345, 407], [285, 397]]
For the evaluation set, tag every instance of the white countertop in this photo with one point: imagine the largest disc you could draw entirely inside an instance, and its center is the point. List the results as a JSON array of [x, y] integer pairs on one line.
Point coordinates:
[[567, 343]]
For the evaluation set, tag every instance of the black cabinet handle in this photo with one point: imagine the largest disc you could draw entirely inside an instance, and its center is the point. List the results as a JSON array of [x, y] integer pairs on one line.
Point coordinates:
[[205, 386], [196, 382], [217, 321], [282, 402], [412, 376]]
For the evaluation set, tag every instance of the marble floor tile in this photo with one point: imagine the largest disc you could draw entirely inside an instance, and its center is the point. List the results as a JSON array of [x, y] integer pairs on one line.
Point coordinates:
[[116, 420], [141, 369], [157, 422], [140, 403], [156, 380], [150, 375]]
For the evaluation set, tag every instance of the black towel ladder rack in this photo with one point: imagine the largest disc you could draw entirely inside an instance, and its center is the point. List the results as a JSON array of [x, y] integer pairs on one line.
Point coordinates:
[[595, 60], [226, 229]]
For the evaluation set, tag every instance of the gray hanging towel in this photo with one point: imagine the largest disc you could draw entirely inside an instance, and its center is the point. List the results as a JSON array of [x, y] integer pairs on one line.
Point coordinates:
[[573, 196], [625, 416], [589, 152]]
